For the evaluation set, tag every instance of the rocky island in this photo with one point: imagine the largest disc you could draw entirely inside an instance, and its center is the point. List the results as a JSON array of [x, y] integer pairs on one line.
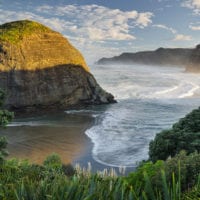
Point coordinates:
[[41, 70], [186, 57]]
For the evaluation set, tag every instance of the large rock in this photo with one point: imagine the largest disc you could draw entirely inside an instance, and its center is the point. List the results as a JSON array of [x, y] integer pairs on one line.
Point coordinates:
[[40, 69]]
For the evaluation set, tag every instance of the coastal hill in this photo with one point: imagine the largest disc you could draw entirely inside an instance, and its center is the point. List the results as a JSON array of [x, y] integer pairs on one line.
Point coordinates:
[[194, 60], [162, 56], [28, 45], [41, 70]]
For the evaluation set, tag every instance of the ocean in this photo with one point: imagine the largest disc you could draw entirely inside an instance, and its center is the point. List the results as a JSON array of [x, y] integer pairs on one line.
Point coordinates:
[[150, 99]]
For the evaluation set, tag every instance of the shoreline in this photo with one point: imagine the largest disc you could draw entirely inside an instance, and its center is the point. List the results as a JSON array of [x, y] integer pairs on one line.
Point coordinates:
[[64, 134], [35, 140]]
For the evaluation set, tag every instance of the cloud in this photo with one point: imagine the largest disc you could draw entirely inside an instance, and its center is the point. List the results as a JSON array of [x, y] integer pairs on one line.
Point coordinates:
[[53, 22], [91, 28], [194, 27], [180, 37], [89, 21], [192, 4], [98, 22], [165, 27], [177, 36], [144, 19]]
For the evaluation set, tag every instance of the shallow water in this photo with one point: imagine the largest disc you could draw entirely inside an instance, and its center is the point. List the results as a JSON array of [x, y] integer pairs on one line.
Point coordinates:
[[149, 99]]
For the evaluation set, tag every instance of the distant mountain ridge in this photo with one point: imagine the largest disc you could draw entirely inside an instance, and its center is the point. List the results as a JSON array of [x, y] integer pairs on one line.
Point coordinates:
[[162, 56]]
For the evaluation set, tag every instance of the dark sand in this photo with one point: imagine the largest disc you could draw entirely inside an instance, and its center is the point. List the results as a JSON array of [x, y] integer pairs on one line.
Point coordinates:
[[36, 138], [37, 142]]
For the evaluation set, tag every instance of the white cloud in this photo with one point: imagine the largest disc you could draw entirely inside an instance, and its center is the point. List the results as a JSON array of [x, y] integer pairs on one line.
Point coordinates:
[[98, 22], [53, 22], [165, 27], [180, 37], [144, 19], [177, 36], [91, 28], [194, 27], [192, 4]]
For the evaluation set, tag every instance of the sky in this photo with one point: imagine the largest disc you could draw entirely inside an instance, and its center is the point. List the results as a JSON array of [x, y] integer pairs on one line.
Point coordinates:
[[105, 28]]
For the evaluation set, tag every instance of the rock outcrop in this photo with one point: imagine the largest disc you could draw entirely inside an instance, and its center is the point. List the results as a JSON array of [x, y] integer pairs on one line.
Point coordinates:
[[161, 56], [40, 69]]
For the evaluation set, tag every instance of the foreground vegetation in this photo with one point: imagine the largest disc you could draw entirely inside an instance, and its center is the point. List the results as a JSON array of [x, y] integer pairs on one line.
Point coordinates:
[[175, 178]]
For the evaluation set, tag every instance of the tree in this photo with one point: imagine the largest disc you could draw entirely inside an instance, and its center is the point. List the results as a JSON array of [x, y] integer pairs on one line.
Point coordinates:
[[5, 115], [5, 118], [184, 135]]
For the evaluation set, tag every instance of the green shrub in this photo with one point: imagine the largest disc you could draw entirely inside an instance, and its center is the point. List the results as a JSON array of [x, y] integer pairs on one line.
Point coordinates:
[[182, 166], [152, 169], [184, 135], [5, 118], [5, 115], [3, 151], [53, 161], [68, 170], [189, 168], [193, 193]]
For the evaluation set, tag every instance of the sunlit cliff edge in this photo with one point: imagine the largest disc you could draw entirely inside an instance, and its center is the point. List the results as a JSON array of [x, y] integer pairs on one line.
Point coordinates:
[[30, 45]]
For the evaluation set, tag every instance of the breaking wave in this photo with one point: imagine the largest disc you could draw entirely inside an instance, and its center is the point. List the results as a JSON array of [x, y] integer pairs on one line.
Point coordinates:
[[149, 99]]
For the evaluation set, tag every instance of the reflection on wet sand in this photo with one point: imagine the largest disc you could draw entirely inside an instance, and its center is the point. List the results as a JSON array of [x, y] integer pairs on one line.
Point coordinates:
[[37, 142]]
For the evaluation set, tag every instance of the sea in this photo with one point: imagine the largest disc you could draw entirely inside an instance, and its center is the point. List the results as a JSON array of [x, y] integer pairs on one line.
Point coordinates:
[[149, 100]]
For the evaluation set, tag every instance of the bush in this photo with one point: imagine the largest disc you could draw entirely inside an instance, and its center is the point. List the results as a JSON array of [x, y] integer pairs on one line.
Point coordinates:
[[189, 168], [151, 169], [182, 166], [5, 118], [3, 152], [68, 170], [5, 115], [184, 135], [53, 161]]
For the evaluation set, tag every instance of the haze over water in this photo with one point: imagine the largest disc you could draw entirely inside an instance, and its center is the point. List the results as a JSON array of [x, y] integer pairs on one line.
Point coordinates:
[[150, 99]]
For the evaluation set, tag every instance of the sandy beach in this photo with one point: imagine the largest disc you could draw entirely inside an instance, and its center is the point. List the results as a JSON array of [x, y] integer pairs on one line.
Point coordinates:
[[64, 134], [36, 142]]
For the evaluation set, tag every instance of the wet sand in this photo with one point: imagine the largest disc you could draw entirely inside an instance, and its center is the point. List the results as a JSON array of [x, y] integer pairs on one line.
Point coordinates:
[[37, 142], [36, 138]]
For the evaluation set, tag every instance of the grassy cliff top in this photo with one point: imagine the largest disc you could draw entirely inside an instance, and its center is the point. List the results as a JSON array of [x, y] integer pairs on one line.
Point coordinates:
[[13, 32]]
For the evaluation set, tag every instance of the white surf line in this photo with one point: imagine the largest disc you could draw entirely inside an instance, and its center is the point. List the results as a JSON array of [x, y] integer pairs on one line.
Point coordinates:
[[167, 90], [190, 92]]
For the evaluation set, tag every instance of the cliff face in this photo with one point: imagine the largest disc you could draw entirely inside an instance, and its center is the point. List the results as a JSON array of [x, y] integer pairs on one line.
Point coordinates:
[[160, 56], [194, 61], [40, 69]]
